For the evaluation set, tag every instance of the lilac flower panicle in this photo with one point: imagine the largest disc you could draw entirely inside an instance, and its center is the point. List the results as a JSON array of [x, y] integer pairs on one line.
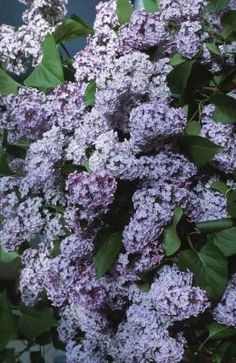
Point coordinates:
[[189, 38], [181, 10], [25, 114], [145, 333], [225, 311], [93, 192], [153, 122], [223, 135], [145, 30], [32, 281]]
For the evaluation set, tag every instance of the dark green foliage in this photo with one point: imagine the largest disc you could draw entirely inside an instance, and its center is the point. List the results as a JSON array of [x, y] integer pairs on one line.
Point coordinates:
[[171, 241], [108, 247], [198, 149], [209, 266]]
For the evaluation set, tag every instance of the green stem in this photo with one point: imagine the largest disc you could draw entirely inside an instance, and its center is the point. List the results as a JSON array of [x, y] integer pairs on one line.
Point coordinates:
[[25, 349], [65, 50]]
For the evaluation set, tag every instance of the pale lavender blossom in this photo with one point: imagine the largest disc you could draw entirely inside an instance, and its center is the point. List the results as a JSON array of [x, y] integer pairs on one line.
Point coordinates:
[[23, 223], [65, 107], [223, 135], [181, 9], [225, 311], [77, 246], [145, 30], [206, 204], [189, 38], [24, 114], [32, 279], [93, 192], [151, 124], [144, 335], [42, 157]]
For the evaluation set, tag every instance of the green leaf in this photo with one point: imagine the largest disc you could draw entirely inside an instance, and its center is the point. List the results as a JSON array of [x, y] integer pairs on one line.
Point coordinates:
[[8, 330], [225, 110], [179, 76], [71, 28], [231, 203], [7, 84], [90, 93], [4, 168], [220, 187], [8, 257], [216, 5], [226, 241], [193, 128], [49, 73], [215, 225], [108, 248], [124, 11], [1, 219], [152, 6], [34, 322], [209, 266], [177, 59], [144, 286], [228, 21], [171, 241], [213, 48], [198, 149], [219, 331], [69, 168]]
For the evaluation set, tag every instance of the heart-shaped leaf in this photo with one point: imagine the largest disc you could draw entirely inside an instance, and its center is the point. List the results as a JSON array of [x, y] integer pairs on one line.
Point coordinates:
[[49, 73], [71, 28], [108, 248], [215, 6], [7, 84], [225, 110], [124, 11], [209, 267], [219, 331], [152, 6], [198, 149], [226, 241], [171, 241]]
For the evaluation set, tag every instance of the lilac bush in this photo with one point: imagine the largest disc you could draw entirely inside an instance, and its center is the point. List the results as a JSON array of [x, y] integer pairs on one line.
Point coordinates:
[[118, 177]]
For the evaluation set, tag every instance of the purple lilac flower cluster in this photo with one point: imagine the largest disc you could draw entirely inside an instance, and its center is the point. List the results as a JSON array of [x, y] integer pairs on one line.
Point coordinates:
[[225, 312], [129, 136]]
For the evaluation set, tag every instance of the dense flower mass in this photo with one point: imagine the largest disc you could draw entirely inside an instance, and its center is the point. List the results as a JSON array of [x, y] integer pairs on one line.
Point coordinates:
[[92, 194], [225, 312]]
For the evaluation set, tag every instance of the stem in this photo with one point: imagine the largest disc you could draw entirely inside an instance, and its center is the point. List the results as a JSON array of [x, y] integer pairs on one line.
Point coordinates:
[[65, 50], [25, 349], [212, 89], [191, 118]]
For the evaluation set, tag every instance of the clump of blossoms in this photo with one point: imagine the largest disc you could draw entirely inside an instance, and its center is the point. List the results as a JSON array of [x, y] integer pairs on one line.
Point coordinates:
[[118, 184], [22, 47]]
